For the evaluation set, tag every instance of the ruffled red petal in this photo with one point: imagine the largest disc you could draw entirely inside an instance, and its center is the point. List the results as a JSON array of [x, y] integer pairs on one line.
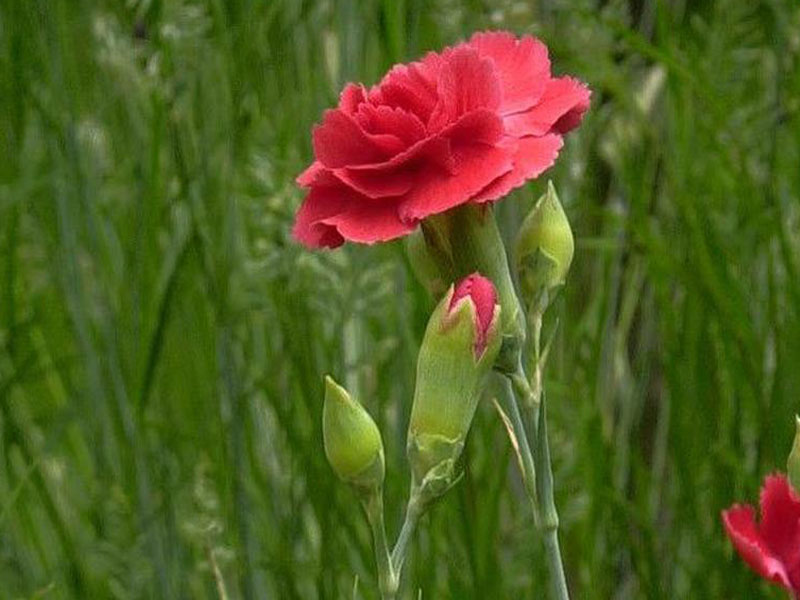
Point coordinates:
[[370, 222], [466, 83], [780, 523], [532, 156], [380, 182], [410, 87], [310, 227], [741, 528], [340, 141], [331, 214], [307, 177], [522, 65], [398, 122], [476, 166], [353, 95], [400, 174], [561, 109]]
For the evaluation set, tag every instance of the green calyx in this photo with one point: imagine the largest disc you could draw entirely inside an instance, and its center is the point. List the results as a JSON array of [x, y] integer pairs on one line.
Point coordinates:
[[353, 443], [544, 247], [426, 268], [433, 461], [793, 462]]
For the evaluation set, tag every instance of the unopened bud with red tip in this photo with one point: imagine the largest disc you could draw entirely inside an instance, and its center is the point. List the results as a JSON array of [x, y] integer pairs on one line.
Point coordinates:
[[457, 353], [353, 442], [479, 293]]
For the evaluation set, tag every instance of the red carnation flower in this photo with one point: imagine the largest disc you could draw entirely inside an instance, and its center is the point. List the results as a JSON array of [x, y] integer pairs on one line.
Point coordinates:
[[772, 547], [466, 125]]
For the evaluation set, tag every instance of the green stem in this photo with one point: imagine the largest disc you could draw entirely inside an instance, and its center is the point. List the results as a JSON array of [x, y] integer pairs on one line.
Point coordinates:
[[528, 468], [413, 512], [387, 579], [557, 579], [537, 475], [537, 470], [530, 398], [548, 522]]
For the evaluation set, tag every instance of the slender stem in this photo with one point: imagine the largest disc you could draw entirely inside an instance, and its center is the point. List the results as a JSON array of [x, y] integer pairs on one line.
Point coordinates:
[[537, 477], [548, 522], [387, 579], [530, 390], [528, 468], [535, 319], [536, 465], [413, 512], [529, 397], [557, 578]]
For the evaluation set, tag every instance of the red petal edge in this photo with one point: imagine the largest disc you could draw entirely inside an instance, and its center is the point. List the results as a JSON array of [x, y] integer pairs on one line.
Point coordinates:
[[522, 64], [741, 529]]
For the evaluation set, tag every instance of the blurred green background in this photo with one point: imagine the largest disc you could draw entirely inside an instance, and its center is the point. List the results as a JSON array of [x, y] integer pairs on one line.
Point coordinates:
[[163, 340]]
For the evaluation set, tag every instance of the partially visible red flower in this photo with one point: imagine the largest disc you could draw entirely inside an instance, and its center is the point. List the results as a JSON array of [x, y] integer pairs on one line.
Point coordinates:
[[468, 124], [771, 547]]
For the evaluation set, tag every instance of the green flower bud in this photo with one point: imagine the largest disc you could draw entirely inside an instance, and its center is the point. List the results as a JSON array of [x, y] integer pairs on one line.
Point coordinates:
[[353, 442], [459, 348], [793, 463], [544, 247]]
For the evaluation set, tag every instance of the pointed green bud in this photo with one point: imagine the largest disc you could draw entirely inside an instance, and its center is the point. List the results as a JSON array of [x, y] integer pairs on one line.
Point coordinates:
[[459, 348], [793, 463], [353, 442], [544, 247]]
